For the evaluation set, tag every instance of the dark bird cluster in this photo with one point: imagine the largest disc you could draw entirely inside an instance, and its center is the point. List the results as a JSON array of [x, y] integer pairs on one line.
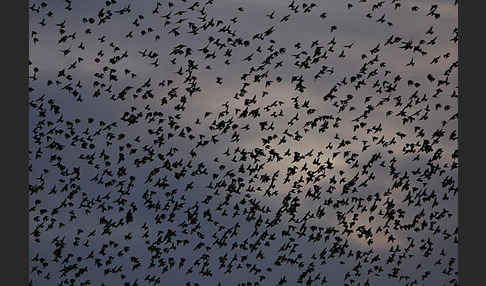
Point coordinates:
[[210, 142]]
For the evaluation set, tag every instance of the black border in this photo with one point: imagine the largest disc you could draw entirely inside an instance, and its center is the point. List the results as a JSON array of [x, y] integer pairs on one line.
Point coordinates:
[[14, 139], [471, 119]]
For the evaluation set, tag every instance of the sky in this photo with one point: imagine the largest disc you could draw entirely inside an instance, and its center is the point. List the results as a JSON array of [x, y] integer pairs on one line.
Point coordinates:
[[80, 205]]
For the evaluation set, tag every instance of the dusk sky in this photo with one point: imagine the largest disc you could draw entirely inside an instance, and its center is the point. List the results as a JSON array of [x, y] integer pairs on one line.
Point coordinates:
[[255, 141]]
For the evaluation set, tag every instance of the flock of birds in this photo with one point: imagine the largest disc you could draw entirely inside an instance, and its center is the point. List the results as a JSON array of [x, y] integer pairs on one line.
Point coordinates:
[[188, 142]]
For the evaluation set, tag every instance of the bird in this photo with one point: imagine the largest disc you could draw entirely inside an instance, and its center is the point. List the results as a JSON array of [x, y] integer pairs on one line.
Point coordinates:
[[198, 142]]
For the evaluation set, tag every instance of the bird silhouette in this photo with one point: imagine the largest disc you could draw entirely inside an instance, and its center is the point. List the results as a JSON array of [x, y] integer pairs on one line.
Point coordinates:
[[207, 142]]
